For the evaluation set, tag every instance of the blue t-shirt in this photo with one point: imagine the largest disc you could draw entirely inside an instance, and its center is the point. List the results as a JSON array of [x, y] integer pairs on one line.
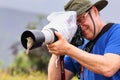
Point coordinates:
[[109, 42]]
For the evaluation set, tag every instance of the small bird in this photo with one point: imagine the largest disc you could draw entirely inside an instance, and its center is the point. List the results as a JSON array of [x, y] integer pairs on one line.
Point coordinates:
[[29, 44]]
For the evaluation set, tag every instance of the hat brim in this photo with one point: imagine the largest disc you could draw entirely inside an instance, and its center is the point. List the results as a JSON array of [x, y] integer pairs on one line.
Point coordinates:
[[101, 4]]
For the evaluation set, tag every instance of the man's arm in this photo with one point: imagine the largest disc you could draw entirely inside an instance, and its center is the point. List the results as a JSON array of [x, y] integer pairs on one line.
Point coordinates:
[[54, 73], [106, 65]]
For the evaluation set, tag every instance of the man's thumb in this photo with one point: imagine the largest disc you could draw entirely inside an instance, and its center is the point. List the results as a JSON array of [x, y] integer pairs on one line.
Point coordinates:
[[58, 35]]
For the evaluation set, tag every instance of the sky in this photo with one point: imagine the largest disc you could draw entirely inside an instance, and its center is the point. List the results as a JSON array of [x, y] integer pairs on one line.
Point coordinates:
[[37, 6], [109, 14]]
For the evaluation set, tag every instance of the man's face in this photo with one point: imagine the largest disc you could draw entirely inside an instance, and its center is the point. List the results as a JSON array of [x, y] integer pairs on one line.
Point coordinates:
[[86, 24]]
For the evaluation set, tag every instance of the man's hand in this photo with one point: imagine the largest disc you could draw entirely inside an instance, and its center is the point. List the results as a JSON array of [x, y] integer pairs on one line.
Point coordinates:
[[60, 46]]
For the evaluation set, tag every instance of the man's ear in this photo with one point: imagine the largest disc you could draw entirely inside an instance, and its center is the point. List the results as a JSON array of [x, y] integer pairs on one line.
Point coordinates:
[[95, 10]]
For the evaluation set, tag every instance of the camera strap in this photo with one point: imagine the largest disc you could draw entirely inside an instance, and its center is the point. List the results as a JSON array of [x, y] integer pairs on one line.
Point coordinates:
[[62, 67], [90, 44]]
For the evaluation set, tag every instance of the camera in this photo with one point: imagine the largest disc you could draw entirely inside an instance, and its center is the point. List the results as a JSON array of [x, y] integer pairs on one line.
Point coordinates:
[[63, 22]]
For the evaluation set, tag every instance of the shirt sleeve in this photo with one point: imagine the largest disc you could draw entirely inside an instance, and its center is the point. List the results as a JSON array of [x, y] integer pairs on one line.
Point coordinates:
[[71, 65], [113, 45]]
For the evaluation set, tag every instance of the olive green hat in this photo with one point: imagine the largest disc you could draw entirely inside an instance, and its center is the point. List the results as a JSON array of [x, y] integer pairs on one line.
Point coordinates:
[[81, 6]]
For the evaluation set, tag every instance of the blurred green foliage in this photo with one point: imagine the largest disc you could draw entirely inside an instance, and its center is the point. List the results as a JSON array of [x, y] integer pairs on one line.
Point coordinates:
[[36, 60]]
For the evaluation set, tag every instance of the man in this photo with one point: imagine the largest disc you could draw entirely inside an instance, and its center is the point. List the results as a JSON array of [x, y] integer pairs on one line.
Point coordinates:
[[103, 61]]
